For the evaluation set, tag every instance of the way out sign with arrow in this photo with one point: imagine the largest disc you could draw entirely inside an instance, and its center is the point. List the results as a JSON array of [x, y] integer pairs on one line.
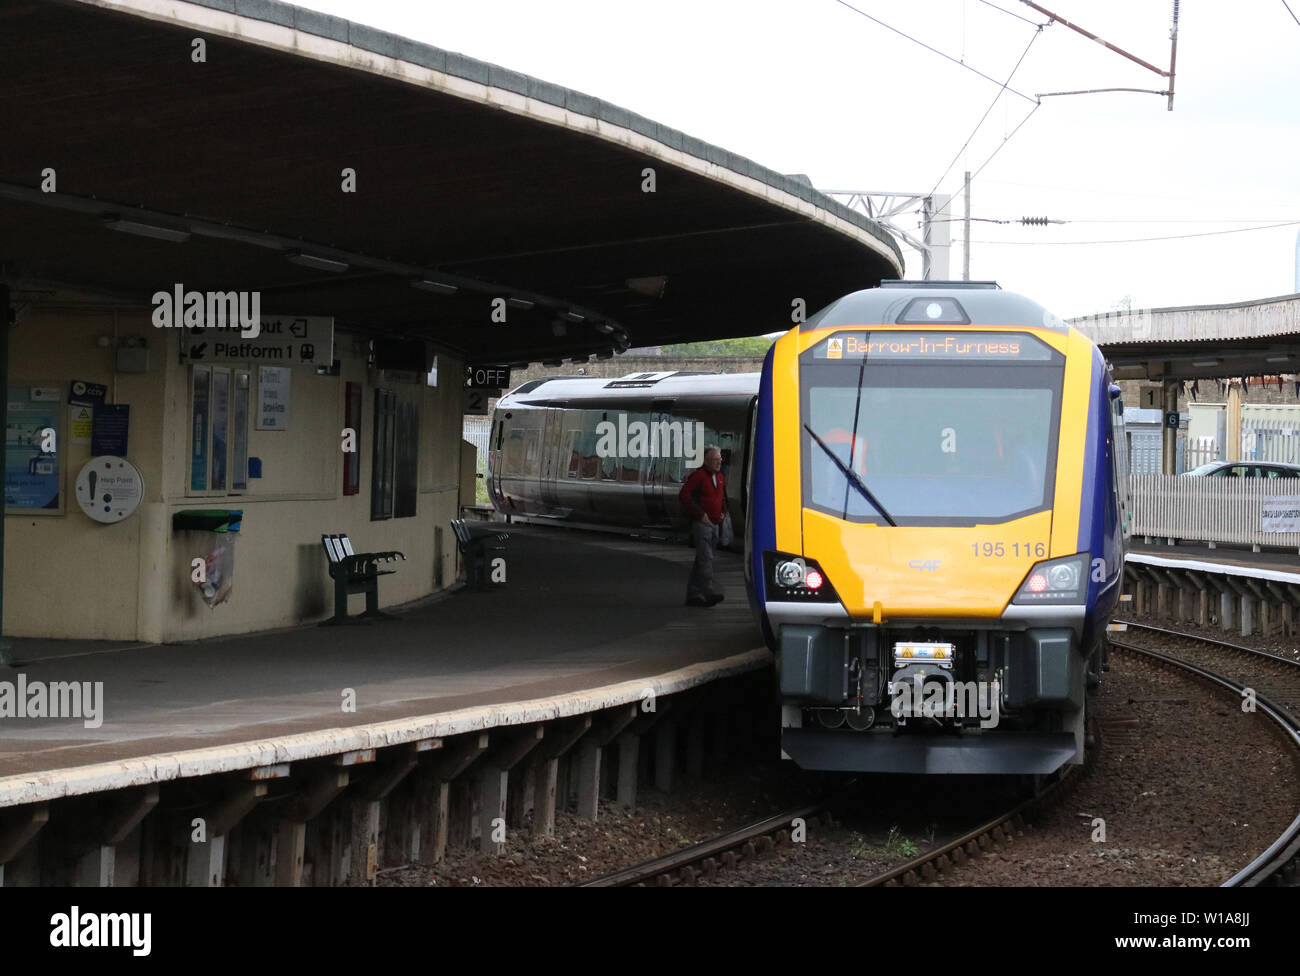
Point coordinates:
[[283, 340]]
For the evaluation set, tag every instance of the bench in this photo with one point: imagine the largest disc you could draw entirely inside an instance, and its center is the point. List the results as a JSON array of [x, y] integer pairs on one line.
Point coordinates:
[[479, 551], [355, 572]]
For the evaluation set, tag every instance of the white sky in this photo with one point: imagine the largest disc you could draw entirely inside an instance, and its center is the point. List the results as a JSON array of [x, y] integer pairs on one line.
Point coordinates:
[[813, 87]]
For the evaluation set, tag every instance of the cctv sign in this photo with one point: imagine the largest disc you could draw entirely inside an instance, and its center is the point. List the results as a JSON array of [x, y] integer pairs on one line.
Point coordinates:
[[488, 377]]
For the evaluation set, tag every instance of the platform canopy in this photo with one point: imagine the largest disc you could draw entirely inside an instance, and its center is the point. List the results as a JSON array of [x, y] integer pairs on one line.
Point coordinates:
[[472, 182], [1255, 338]]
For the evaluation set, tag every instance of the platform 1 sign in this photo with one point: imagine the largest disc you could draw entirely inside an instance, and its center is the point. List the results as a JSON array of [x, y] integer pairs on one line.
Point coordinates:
[[282, 340], [1281, 513]]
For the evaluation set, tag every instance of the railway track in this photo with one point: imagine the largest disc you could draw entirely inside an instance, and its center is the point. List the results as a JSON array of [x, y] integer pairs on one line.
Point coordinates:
[[1274, 681], [707, 858], [1274, 684]]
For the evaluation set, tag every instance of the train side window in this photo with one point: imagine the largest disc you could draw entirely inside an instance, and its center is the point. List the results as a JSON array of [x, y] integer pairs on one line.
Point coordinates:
[[575, 453], [512, 455]]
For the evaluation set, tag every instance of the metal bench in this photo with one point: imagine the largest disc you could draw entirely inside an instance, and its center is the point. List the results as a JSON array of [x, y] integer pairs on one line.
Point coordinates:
[[479, 551], [355, 572]]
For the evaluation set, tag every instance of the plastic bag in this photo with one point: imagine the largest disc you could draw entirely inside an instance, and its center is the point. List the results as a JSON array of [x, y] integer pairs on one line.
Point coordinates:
[[726, 535]]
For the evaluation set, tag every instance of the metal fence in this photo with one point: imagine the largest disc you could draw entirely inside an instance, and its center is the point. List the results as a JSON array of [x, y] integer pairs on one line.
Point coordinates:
[[1232, 510], [1200, 450], [1270, 440]]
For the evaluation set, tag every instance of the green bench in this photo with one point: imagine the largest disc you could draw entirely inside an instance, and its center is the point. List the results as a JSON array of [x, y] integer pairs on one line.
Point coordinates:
[[355, 572]]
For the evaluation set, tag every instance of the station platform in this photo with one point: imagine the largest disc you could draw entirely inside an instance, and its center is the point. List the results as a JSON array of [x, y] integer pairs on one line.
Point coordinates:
[[1281, 566], [584, 622]]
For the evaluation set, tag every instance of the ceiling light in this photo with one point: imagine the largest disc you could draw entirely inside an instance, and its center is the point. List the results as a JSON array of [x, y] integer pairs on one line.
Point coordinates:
[[1206, 362], [316, 262], [437, 287], [522, 303], [1278, 359], [177, 235], [604, 327], [574, 316]]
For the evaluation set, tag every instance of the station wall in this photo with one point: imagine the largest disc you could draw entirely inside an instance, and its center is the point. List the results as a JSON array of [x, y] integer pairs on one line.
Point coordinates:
[[69, 577]]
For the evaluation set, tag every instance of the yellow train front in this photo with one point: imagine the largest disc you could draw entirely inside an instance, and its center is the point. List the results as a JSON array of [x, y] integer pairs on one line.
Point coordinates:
[[938, 515]]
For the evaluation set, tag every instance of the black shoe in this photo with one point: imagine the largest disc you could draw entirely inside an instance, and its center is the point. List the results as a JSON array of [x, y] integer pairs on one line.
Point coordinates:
[[698, 601], [715, 598]]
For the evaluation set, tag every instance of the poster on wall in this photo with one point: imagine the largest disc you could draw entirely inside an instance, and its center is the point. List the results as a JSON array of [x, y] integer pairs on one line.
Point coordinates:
[[31, 451], [273, 397], [199, 410], [109, 428], [80, 420]]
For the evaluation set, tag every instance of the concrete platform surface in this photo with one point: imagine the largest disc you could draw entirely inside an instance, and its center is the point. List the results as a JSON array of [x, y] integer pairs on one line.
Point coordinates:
[[584, 622], [1283, 566]]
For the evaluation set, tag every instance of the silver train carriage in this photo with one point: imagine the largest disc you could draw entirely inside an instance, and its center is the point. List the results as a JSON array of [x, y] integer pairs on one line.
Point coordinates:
[[613, 453]]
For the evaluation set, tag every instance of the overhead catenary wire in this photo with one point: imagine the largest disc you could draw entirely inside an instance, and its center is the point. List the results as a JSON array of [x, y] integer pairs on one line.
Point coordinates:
[[1141, 240], [947, 57], [1118, 220], [1290, 11], [1010, 13], [1004, 87]]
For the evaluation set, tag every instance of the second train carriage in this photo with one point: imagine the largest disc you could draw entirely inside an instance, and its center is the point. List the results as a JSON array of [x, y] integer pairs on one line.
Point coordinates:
[[614, 452]]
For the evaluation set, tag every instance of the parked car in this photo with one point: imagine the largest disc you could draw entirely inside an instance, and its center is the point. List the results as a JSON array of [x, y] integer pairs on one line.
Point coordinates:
[[1246, 469]]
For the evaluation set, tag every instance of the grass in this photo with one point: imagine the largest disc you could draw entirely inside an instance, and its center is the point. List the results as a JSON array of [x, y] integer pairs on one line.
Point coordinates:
[[898, 845]]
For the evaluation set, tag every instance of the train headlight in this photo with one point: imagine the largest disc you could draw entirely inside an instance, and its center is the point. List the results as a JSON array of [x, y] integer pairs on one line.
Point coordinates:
[[794, 577], [1063, 576], [1056, 581], [790, 573]]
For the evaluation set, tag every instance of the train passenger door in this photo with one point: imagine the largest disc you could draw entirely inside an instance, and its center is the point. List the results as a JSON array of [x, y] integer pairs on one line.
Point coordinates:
[[551, 467], [657, 470], [494, 458]]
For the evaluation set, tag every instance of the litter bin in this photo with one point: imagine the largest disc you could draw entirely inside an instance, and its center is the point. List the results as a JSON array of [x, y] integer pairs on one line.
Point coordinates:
[[215, 577]]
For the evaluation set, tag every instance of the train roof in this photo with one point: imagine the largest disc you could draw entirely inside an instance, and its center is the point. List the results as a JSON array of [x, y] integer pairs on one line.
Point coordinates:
[[634, 386], [960, 303]]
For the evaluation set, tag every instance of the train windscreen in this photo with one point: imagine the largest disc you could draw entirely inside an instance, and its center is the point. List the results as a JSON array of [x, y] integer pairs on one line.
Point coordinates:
[[933, 439]]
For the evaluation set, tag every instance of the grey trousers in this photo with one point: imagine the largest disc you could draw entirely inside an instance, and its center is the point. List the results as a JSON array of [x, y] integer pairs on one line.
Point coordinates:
[[705, 538]]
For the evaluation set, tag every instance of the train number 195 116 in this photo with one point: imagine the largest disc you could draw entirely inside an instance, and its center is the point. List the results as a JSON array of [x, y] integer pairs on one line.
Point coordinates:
[[997, 550]]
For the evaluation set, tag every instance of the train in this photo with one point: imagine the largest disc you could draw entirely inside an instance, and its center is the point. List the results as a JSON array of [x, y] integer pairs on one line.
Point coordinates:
[[613, 453], [938, 514], [930, 484]]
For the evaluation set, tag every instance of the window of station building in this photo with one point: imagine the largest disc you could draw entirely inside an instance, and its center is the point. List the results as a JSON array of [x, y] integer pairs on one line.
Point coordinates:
[[394, 458], [218, 430]]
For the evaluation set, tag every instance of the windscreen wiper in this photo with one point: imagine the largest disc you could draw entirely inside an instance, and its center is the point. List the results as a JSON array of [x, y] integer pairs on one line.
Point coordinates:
[[852, 477]]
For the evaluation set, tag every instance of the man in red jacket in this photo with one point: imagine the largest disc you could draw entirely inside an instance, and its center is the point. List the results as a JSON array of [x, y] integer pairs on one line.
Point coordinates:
[[704, 500]]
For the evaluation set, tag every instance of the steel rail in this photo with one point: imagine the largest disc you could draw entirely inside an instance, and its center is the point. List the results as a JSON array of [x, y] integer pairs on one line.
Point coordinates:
[[726, 849], [1285, 849]]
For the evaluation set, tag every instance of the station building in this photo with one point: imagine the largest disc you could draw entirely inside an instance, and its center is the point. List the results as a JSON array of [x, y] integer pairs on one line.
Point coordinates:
[[401, 213]]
